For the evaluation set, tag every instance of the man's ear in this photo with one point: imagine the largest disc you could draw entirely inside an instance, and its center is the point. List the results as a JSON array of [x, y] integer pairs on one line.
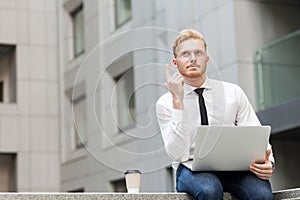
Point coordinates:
[[174, 62], [207, 59]]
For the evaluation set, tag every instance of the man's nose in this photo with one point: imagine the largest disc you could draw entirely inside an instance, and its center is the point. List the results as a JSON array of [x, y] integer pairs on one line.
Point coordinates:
[[193, 57]]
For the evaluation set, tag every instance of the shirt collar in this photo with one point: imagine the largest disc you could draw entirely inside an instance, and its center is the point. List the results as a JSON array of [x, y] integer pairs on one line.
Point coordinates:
[[189, 89]]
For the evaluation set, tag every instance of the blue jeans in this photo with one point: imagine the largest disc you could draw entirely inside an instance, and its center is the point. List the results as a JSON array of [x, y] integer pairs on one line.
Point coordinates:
[[210, 185]]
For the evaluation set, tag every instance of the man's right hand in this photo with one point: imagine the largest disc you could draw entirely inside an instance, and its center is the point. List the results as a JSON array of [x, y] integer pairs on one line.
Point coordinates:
[[175, 84]]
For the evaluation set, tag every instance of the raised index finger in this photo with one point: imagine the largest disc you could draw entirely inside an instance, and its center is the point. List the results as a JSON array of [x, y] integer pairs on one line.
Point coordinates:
[[168, 71]]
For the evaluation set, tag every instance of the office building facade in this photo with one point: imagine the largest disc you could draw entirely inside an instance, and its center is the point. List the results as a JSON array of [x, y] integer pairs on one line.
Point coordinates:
[[79, 80]]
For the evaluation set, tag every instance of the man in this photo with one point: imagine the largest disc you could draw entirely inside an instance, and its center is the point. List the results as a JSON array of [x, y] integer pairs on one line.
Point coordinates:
[[179, 116]]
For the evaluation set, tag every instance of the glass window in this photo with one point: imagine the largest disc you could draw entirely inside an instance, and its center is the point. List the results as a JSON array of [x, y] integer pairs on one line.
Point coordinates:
[[7, 173], [8, 80], [78, 31], [1, 91], [125, 99], [277, 71], [123, 11], [79, 122], [121, 98]]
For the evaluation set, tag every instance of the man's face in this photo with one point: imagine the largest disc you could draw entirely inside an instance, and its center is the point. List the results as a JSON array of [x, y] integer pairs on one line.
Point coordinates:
[[191, 58]]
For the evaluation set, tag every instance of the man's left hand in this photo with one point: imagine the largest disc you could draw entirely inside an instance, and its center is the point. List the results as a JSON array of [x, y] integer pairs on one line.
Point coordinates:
[[263, 170]]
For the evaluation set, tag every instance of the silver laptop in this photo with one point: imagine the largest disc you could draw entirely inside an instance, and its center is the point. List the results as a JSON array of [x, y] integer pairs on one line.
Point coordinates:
[[229, 148]]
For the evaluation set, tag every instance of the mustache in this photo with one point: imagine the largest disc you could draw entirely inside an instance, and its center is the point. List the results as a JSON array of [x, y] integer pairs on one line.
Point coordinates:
[[187, 66]]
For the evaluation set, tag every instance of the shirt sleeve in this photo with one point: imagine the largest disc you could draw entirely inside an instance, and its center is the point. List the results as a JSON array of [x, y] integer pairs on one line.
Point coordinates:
[[175, 131], [246, 115]]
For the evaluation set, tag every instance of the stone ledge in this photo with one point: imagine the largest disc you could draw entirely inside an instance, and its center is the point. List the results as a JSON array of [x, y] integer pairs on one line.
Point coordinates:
[[98, 196], [287, 194], [283, 194], [94, 196]]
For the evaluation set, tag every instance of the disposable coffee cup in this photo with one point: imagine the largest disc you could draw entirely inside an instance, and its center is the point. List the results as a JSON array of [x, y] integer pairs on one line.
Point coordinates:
[[133, 178]]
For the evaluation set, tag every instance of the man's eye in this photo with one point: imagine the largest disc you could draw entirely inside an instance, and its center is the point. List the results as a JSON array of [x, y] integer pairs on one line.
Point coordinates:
[[198, 53], [185, 54]]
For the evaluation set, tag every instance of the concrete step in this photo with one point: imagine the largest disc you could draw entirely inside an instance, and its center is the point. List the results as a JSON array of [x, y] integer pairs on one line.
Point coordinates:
[[287, 194], [283, 194]]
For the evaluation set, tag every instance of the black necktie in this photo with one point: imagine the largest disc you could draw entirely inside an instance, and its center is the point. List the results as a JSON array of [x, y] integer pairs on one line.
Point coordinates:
[[203, 112]]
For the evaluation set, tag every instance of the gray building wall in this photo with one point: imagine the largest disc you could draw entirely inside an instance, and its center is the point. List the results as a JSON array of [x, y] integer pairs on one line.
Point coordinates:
[[104, 163], [29, 126]]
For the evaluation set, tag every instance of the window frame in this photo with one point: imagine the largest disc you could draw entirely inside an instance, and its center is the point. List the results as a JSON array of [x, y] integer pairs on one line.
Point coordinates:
[[127, 19], [75, 95], [8, 164], [79, 141], [8, 74], [1, 91], [79, 10], [123, 112]]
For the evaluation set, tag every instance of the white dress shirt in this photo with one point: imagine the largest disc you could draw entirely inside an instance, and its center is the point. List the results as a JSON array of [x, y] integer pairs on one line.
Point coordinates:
[[226, 104]]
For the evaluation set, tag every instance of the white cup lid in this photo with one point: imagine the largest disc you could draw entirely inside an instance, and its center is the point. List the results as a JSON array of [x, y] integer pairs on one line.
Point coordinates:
[[132, 171]]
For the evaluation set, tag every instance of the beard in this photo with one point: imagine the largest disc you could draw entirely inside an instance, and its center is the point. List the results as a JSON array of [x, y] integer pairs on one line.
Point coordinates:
[[192, 73]]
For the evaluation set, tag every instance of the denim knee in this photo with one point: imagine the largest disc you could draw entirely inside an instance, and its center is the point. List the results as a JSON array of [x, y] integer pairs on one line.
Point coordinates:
[[264, 193], [246, 185], [200, 185], [210, 193]]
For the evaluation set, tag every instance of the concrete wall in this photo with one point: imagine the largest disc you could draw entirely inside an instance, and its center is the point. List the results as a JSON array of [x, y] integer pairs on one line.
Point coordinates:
[[29, 126], [104, 163]]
